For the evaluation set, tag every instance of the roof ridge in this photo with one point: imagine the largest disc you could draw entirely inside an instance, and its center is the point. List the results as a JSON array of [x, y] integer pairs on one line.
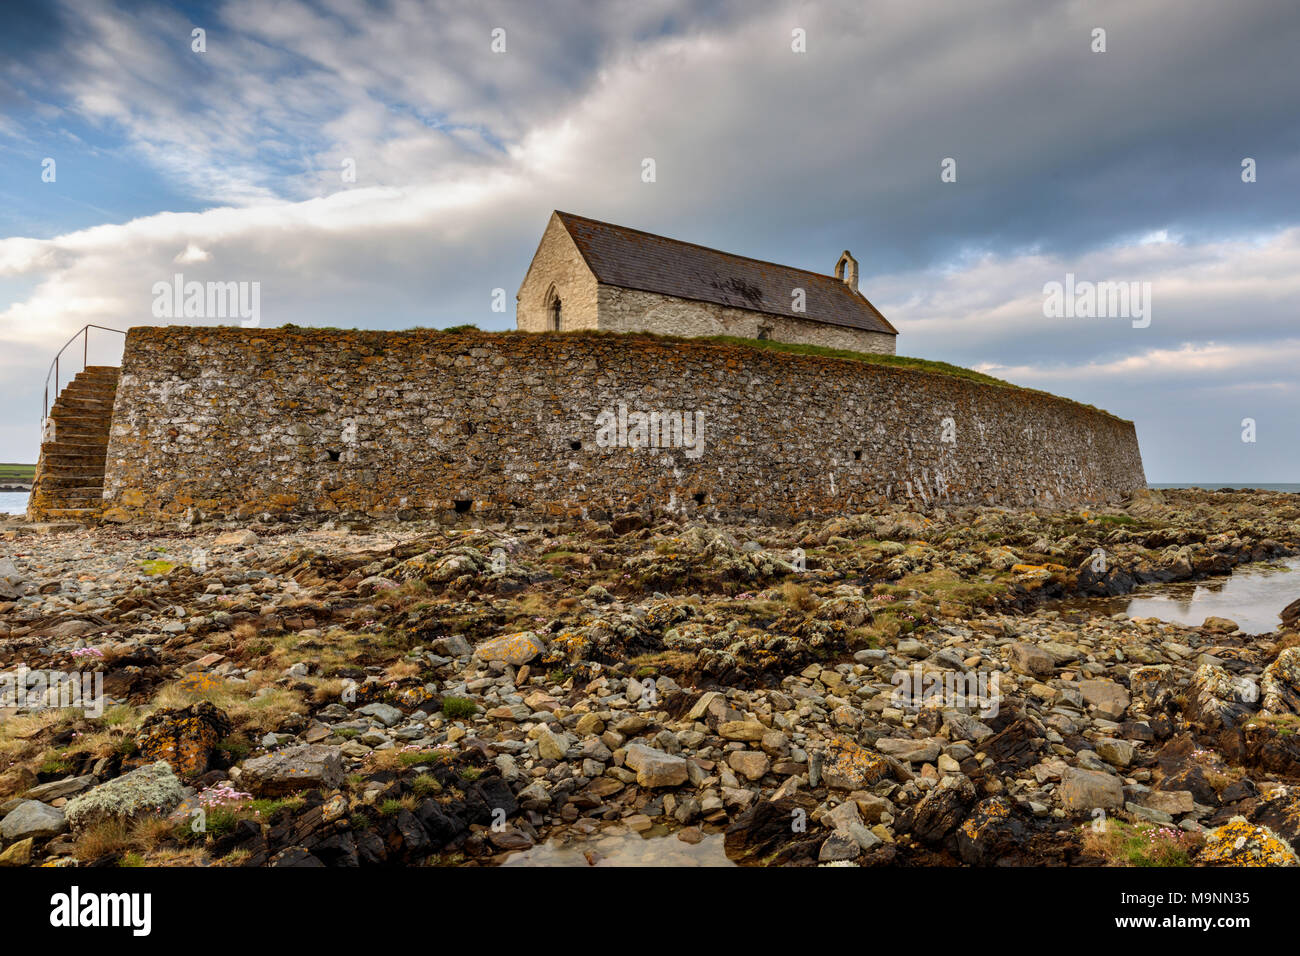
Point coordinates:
[[696, 245]]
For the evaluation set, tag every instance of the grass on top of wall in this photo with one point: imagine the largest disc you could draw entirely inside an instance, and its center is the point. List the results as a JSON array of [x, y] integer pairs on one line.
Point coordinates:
[[901, 361], [898, 361]]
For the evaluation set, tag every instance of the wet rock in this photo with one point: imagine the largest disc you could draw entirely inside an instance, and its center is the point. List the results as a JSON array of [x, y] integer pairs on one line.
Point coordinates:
[[940, 811], [994, 829], [1280, 813], [1017, 746], [774, 832]]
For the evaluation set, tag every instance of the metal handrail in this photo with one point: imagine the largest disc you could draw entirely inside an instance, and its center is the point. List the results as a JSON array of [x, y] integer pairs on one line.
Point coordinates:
[[54, 366]]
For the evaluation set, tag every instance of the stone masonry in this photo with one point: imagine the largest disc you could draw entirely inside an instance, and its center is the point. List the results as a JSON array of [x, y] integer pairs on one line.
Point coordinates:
[[475, 425]]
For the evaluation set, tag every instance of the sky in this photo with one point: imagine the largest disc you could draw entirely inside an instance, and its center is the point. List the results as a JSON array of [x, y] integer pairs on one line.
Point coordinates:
[[390, 165]]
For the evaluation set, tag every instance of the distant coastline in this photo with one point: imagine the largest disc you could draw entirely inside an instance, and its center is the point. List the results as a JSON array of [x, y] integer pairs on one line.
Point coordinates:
[[1292, 487]]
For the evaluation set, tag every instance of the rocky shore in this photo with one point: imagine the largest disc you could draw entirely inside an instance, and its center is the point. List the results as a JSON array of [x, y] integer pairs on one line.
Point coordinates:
[[358, 691]]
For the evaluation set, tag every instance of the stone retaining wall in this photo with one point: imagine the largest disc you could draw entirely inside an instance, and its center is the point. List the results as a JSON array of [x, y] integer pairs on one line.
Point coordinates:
[[478, 424]]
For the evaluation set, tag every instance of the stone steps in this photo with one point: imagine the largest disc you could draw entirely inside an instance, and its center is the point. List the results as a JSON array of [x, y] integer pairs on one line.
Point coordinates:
[[69, 483]]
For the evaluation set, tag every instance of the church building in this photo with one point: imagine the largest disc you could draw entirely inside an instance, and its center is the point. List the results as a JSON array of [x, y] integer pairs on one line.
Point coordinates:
[[588, 274]]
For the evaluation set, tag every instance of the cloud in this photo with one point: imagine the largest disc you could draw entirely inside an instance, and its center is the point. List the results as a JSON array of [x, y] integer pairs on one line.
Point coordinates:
[[1092, 164], [192, 254]]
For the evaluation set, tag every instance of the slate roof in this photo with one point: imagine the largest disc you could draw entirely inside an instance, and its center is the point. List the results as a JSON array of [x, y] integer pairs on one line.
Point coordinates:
[[632, 259]]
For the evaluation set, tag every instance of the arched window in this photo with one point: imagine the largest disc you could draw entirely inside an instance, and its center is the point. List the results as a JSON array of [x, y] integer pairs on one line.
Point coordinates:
[[554, 319]]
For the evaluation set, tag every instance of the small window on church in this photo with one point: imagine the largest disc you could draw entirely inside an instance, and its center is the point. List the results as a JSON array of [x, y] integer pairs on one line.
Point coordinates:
[[554, 320]]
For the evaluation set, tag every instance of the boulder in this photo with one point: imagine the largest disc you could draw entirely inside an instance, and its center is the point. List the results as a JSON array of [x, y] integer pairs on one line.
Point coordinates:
[[1085, 790], [185, 737], [19, 854], [1109, 699], [846, 765], [940, 811], [32, 819], [1280, 685], [294, 768], [512, 648], [1031, 661], [1240, 843], [151, 789], [654, 768]]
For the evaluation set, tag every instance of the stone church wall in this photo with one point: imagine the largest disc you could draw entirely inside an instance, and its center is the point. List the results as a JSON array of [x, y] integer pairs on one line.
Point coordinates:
[[630, 310]]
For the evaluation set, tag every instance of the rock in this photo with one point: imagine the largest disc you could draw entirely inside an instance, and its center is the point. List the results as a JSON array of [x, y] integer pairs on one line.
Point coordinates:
[[940, 811], [1118, 753], [386, 714], [843, 816], [17, 780], [20, 854], [1085, 790], [1219, 625], [1172, 802], [706, 701], [774, 832], [746, 730], [150, 789], [512, 648], [751, 764], [1217, 700], [32, 819], [839, 846], [552, 746], [185, 738], [994, 830], [1239, 843], [1108, 698], [1280, 684], [909, 750], [964, 727], [654, 768], [846, 765], [1291, 614], [235, 539], [294, 768], [1031, 660], [67, 787]]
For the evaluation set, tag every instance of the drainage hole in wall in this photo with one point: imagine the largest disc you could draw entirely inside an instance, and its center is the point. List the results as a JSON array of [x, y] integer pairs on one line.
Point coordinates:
[[334, 455], [857, 455], [576, 445], [699, 497], [462, 505]]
